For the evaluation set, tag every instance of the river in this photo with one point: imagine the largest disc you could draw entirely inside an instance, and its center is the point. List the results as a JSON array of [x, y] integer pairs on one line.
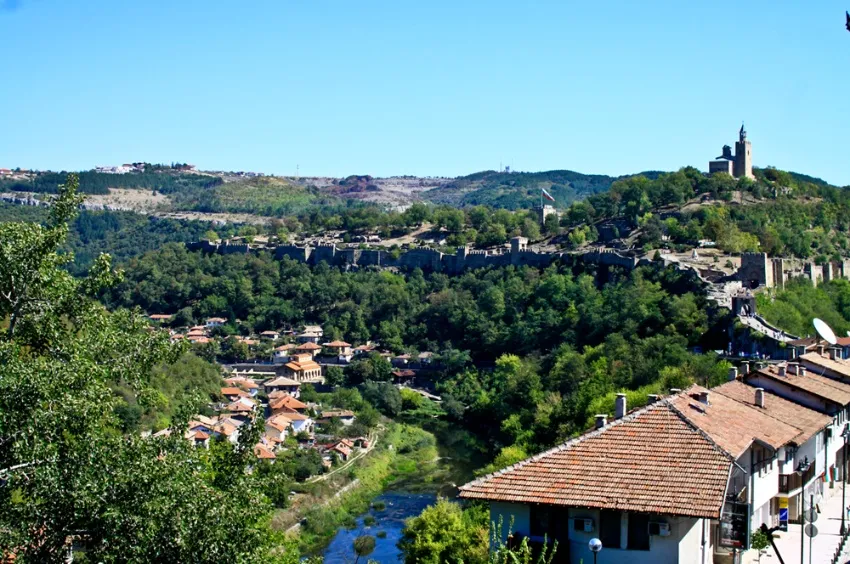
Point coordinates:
[[459, 456]]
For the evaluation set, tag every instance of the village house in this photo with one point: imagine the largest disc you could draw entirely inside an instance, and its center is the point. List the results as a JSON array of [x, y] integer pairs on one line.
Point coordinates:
[[302, 368], [262, 452], [270, 335], [649, 485], [343, 449], [310, 334], [276, 428], [825, 395], [793, 457], [363, 350], [283, 353], [405, 377], [242, 409], [282, 384], [215, 322], [425, 358], [340, 350], [233, 393], [285, 402], [243, 383], [755, 439], [345, 416], [401, 360], [308, 348], [299, 423], [160, 317]]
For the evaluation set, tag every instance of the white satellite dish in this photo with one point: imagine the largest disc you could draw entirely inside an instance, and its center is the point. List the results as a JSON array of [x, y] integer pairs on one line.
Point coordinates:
[[824, 331]]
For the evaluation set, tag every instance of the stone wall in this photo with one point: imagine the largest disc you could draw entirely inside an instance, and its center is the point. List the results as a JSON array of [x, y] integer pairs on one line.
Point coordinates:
[[757, 269]]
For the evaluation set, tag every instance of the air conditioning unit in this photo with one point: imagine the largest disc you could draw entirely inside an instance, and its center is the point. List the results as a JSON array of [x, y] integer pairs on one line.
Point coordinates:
[[659, 529], [583, 525]]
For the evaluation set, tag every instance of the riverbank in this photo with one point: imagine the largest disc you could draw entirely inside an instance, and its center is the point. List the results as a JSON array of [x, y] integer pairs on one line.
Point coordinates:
[[403, 450]]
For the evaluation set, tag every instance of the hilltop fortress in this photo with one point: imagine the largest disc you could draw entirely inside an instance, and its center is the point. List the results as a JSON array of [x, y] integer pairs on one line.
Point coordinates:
[[760, 270]]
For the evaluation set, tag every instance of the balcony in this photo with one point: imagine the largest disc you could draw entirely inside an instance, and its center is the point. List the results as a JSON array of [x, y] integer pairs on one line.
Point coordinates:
[[791, 482]]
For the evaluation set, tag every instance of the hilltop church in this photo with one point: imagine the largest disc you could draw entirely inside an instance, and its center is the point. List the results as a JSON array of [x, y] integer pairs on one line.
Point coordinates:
[[740, 165]]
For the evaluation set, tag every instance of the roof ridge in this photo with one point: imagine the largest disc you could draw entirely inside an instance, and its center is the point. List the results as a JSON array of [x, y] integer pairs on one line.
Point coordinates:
[[702, 433]]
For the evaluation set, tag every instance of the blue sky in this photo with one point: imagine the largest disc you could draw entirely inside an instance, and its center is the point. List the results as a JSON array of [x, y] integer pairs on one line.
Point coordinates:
[[426, 87]]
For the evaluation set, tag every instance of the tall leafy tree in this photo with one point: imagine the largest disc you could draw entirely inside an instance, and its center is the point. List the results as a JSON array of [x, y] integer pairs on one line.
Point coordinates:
[[67, 474]]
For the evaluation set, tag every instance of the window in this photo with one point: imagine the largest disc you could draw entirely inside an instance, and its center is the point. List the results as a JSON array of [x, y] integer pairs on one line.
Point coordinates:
[[609, 529], [638, 531], [540, 521]]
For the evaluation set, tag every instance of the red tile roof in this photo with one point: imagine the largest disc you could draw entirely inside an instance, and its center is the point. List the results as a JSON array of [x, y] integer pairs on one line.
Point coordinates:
[[840, 367], [731, 424], [308, 347], [337, 344], [650, 461], [286, 401], [820, 386], [231, 391], [808, 421]]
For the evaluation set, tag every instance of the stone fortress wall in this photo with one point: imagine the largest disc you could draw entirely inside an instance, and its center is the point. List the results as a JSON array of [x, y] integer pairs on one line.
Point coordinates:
[[426, 259], [757, 269]]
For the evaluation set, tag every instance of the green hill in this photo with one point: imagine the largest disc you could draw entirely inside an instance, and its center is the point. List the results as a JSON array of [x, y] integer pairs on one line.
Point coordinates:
[[522, 189]]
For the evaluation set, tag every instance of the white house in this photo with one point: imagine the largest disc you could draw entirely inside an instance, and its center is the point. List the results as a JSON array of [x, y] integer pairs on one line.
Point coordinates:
[[649, 485], [215, 322]]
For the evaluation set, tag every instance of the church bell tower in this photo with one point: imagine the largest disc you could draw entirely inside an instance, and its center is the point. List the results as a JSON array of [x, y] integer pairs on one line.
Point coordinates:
[[743, 155]]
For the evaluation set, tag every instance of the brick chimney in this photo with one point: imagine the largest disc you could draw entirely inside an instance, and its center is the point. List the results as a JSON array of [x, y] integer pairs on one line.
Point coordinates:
[[620, 406], [733, 374], [601, 420], [759, 397], [745, 367], [783, 370], [703, 398], [821, 349]]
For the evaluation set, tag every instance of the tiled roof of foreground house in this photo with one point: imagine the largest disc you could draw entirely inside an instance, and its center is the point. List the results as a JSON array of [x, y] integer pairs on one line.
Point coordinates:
[[652, 460]]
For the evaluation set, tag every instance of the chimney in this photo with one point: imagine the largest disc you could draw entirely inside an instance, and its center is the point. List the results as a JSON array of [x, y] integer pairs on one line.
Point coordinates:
[[601, 420], [759, 397], [733, 374], [745, 367], [833, 353], [652, 398], [782, 370], [792, 367], [820, 349], [675, 390], [801, 370], [703, 398], [620, 406]]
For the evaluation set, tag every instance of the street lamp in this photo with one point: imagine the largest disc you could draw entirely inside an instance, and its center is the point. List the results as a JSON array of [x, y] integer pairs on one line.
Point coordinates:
[[845, 434], [595, 545]]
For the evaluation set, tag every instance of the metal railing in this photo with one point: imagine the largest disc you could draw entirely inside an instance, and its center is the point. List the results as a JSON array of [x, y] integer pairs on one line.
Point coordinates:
[[836, 558]]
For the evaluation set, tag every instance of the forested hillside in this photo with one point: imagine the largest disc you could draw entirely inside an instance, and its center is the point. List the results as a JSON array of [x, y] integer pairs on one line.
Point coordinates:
[[574, 340], [794, 307]]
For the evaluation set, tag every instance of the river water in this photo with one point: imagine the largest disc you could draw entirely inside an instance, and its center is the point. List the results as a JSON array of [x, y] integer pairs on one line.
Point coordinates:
[[459, 456]]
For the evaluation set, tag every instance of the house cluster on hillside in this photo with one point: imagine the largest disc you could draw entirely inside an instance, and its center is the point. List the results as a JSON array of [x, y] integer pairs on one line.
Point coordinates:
[[691, 476], [302, 355], [285, 417]]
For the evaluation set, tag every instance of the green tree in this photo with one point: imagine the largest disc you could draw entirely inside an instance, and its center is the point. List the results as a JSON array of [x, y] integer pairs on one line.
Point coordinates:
[[364, 545], [444, 534], [66, 469]]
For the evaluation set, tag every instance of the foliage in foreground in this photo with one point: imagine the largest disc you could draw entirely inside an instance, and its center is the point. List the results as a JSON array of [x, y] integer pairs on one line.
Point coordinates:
[[67, 474]]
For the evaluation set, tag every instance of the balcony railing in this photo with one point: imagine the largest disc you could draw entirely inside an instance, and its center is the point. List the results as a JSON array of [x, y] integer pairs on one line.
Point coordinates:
[[790, 482]]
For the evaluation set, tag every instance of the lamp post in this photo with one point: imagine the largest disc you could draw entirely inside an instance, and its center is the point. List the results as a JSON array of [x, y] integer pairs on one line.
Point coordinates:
[[845, 434], [595, 545]]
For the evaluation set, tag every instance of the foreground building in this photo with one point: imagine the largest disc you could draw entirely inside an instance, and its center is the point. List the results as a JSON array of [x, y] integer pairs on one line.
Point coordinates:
[[650, 485]]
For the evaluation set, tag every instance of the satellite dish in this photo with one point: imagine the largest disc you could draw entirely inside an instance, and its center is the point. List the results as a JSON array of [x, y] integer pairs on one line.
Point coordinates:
[[848, 333], [824, 331]]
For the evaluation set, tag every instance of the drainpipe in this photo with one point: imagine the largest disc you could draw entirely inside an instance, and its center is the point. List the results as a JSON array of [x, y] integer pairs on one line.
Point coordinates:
[[750, 507]]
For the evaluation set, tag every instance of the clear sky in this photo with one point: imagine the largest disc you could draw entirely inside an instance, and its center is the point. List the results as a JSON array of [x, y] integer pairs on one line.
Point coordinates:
[[424, 87]]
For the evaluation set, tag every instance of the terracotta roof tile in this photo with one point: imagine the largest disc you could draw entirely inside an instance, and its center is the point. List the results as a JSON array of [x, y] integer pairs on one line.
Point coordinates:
[[650, 461], [821, 386], [731, 424], [808, 421], [337, 344], [840, 367], [286, 401]]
